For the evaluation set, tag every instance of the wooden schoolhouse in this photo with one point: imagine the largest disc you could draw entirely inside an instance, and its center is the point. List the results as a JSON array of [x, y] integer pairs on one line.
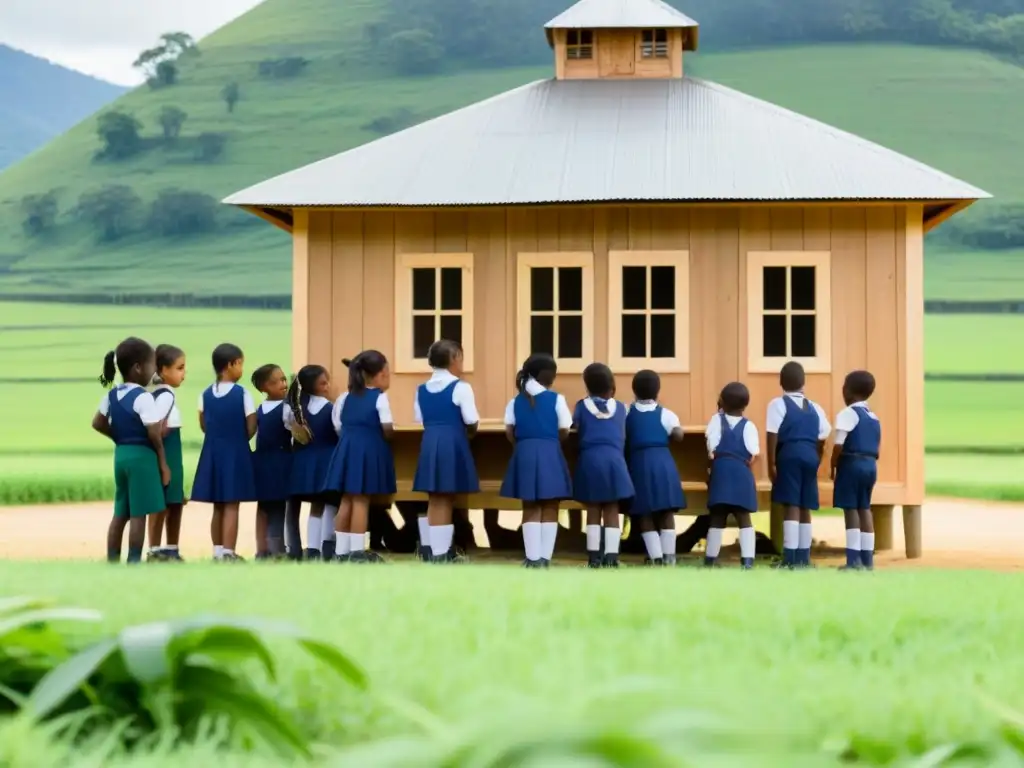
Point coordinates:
[[624, 212]]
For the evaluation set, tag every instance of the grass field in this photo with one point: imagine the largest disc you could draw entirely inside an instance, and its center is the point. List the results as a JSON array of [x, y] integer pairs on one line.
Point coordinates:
[[54, 353], [955, 109], [797, 667]]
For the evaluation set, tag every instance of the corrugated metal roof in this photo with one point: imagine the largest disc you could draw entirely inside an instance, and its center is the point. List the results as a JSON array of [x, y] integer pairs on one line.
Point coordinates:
[[621, 14], [579, 141]]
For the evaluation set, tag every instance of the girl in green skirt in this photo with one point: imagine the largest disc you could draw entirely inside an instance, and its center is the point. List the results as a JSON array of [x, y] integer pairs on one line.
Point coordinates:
[[128, 416], [170, 374]]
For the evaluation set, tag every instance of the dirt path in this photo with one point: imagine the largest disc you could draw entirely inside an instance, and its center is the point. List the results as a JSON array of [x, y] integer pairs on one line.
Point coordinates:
[[957, 534]]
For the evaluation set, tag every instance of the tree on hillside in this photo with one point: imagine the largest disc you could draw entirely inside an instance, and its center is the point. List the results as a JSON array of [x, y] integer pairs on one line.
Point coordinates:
[[113, 210], [415, 52], [171, 120], [40, 212], [211, 146], [119, 133], [177, 212], [160, 63], [231, 93]]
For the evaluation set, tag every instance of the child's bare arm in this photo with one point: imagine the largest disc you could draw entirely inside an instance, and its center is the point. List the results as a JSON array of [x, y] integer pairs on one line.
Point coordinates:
[[472, 429], [837, 453], [250, 425], [510, 433], [677, 435], [821, 450], [156, 438], [773, 442], [563, 434], [388, 430], [202, 422], [102, 425]]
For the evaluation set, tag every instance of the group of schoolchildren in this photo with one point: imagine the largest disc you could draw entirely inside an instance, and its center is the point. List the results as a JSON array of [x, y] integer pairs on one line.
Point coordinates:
[[336, 457]]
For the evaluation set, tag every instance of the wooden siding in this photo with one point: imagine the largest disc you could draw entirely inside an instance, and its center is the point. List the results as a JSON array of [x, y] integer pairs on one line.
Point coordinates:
[[347, 302], [617, 55]]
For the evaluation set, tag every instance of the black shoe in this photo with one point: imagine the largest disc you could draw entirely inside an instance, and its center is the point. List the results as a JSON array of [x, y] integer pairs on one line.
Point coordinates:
[[295, 555], [231, 557], [656, 563], [173, 556], [545, 563], [327, 551], [156, 556], [747, 563], [312, 555], [532, 564], [424, 554], [594, 560], [781, 565], [611, 560], [670, 561], [366, 556], [346, 558]]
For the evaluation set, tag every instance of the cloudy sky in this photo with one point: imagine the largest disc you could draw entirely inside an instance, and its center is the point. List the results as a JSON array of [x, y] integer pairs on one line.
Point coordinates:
[[102, 37]]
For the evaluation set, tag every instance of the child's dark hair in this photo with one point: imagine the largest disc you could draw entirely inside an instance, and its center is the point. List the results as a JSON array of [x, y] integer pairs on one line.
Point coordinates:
[[262, 375], [646, 385], [860, 384], [541, 367], [735, 397], [303, 381], [224, 355], [129, 353], [443, 352], [166, 356], [363, 366], [599, 380], [791, 377]]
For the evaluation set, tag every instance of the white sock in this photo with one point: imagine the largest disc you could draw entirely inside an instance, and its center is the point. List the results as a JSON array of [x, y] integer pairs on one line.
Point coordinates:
[[593, 538], [424, 526], [748, 543], [548, 535], [805, 536], [218, 551], [652, 540], [343, 545], [612, 537], [867, 542], [228, 552], [357, 542], [327, 522], [441, 539], [313, 533], [668, 544], [714, 542], [532, 541], [853, 538], [171, 548], [790, 534]]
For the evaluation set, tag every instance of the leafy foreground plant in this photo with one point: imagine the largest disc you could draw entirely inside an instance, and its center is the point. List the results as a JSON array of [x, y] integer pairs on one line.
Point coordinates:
[[183, 680]]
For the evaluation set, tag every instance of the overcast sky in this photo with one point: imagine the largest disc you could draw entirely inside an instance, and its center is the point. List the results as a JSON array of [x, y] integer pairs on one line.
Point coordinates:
[[103, 37]]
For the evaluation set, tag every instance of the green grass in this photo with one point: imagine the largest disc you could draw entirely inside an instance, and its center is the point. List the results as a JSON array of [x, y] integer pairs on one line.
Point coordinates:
[[50, 454], [958, 110], [802, 665], [956, 275]]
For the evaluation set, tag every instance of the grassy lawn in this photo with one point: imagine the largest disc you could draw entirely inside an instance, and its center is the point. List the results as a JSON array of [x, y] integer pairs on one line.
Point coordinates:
[[797, 666]]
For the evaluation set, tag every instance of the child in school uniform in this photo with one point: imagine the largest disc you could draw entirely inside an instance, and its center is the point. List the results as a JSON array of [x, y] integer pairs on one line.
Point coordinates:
[[362, 465], [733, 447], [170, 374], [537, 420], [446, 408], [855, 468], [601, 480], [129, 417], [797, 429], [272, 461], [307, 414], [658, 488], [224, 475]]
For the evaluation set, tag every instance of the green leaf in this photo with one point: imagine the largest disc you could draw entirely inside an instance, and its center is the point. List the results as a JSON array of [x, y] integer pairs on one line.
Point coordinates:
[[336, 660], [12, 604], [232, 644], [62, 681], [145, 651], [26, 619]]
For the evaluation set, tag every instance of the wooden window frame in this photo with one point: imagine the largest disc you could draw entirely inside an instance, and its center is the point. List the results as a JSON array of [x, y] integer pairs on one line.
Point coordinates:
[[680, 363], [579, 48], [404, 361], [655, 54], [822, 263], [525, 261]]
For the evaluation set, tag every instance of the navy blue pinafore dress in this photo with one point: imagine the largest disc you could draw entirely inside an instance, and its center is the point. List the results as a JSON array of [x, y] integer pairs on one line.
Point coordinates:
[[538, 470], [224, 474], [272, 459], [796, 457], [445, 463], [858, 464], [362, 463], [732, 481], [601, 476], [310, 462], [655, 475]]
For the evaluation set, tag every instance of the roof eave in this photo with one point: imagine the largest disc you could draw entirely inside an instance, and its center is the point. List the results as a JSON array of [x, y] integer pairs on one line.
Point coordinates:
[[944, 211], [280, 216]]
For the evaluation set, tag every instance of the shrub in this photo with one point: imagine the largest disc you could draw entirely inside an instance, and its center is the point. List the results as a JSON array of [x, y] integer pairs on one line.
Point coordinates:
[[171, 120], [178, 212], [112, 210], [210, 146], [231, 93], [40, 212], [292, 66], [415, 52], [396, 121], [119, 133]]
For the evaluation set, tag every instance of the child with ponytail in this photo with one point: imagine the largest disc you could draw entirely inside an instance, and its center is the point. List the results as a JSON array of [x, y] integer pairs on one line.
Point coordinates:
[[308, 415], [272, 461], [536, 421], [170, 374], [362, 465], [128, 416]]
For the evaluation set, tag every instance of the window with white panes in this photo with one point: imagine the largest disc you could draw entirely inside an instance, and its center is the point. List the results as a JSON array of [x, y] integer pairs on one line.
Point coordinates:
[[433, 300], [555, 307], [579, 44], [648, 310], [789, 310], [654, 44]]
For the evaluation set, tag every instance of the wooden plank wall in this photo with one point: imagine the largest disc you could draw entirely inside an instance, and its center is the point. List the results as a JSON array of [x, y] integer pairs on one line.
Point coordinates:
[[350, 294]]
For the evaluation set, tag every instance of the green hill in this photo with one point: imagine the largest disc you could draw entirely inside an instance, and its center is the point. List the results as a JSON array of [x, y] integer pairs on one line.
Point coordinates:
[[957, 109], [40, 100]]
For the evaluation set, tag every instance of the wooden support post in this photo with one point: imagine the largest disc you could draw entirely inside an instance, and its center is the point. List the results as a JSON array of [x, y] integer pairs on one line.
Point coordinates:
[[777, 517], [912, 529], [882, 516]]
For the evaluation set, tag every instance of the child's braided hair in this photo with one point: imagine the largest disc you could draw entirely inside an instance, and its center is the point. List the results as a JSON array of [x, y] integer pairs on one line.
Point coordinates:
[[303, 381]]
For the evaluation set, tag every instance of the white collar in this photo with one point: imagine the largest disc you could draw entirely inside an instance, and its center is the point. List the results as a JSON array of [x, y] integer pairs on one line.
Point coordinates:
[[589, 404], [443, 375], [127, 385], [860, 403], [534, 387]]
